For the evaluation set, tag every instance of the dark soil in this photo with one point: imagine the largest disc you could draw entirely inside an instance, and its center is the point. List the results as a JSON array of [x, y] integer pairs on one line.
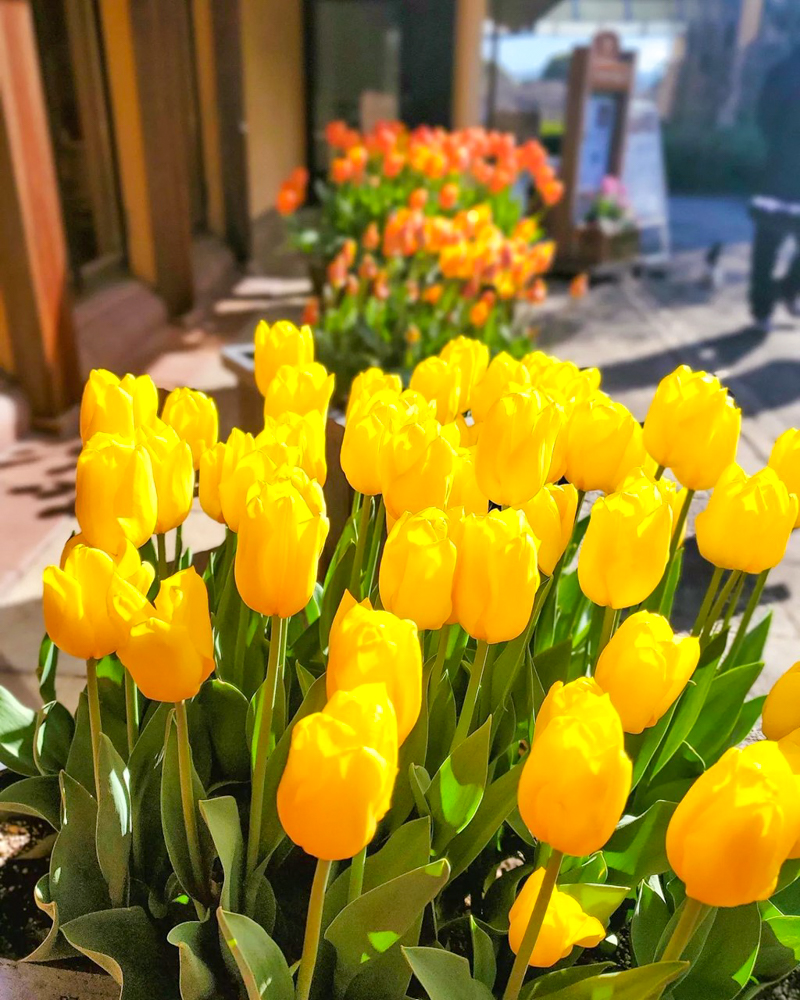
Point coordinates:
[[22, 924]]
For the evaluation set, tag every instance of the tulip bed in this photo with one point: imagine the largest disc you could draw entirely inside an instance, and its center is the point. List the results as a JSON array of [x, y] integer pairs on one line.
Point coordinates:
[[420, 235], [470, 759]]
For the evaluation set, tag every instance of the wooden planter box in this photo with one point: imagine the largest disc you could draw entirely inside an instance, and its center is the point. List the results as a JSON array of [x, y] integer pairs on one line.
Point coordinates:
[[20, 981], [598, 248]]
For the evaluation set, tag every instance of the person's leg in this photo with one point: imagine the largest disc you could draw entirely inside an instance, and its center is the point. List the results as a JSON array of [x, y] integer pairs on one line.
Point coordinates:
[[763, 291], [790, 286]]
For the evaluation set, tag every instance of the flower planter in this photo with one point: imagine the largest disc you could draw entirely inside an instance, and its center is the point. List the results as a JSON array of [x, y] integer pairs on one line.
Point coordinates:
[[239, 358], [20, 981], [598, 247]]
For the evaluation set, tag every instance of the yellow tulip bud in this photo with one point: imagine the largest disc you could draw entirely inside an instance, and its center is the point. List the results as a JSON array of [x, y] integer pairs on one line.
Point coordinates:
[[169, 649], [173, 474], [440, 382], [370, 382], [338, 781], [465, 491], [626, 547], [126, 559], [115, 493], [417, 567], [280, 344], [515, 448], [503, 375], [281, 536], [748, 521], [562, 698], [536, 362], [472, 358], [216, 465], [781, 712], [785, 460], [364, 431], [496, 577], [305, 435], [415, 466], [299, 389], [736, 826], [567, 383], [565, 924], [602, 443], [692, 427], [376, 647], [551, 515], [644, 668], [193, 415], [258, 466], [116, 406], [789, 746], [79, 600], [576, 780]]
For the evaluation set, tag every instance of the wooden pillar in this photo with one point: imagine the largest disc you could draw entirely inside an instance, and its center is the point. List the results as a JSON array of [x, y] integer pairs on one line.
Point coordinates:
[[470, 15], [141, 38], [37, 314]]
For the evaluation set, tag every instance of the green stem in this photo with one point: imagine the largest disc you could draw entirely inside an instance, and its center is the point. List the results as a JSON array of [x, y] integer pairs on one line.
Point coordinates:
[[161, 550], [659, 472], [375, 545], [131, 710], [690, 919], [263, 737], [95, 720], [752, 604], [187, 794], [529, 939], [361, 544], [178, 548], [471, 697], [719, 604], [678, 528], [356, 883], [572, 545], [708, 600], [438, 665], [734, 603], [609, 627], [313, 928]]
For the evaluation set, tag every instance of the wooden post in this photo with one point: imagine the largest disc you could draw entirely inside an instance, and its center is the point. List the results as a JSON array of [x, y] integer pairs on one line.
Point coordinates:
[[33, 255]]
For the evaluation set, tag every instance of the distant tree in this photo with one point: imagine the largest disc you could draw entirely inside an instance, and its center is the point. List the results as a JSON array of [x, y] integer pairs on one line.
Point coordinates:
[[558, 67]]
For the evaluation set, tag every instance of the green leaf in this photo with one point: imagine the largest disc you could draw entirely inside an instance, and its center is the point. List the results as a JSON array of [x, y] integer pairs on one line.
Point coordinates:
[[457, 787], [335, 586], [222, 819], [647, 981], [686, 714], [787, 930], [198, 945], [599, 901], [372, 924], [260, 961], [500, 896], [497, 803], [17, 729], [304, 678], [412, 754], [127, 946], [642, 748], [445, 976], [114, 823], [650, 919], [39, 796], [225, 710], [46, 669], [637, 848], [752, 648], [553, 982], [591, 869], [149, 859], [441, 726], [55, 728], [728, 691], [484, 963], [724, 965], [552, 664]]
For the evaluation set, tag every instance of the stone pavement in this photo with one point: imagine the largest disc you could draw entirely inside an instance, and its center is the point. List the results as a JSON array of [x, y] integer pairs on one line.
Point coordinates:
[[636, 330]]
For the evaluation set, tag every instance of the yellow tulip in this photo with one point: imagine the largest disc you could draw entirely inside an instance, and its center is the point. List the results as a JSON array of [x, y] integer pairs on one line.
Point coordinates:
[[567, 383], [465, 491], [305, 434], [415, 466], [503, 375], [338, 781], [644, 668], [417, 567], [562, 698], [440, 382], [281, 536], [115, 493], [169, 649], [173, 474], [565, 924], [299, 389], [79, 600], [789, 746], [785, 460], [126, 559], [602, 444], [364, 431], [536, 362], [369, 383], [468, 434], [626, 547], [258, 466], [280, 344], [551, 515], [496, 576], [736, 826], [193, 415], [515, 448], [116, 406], [472, 358], [692, 427], [748, 521], [576, 780], [781, 712], [376, 647], [216, 465]]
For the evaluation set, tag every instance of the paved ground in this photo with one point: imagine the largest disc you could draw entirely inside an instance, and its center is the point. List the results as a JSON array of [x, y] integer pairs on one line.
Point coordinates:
[[636, 330]]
